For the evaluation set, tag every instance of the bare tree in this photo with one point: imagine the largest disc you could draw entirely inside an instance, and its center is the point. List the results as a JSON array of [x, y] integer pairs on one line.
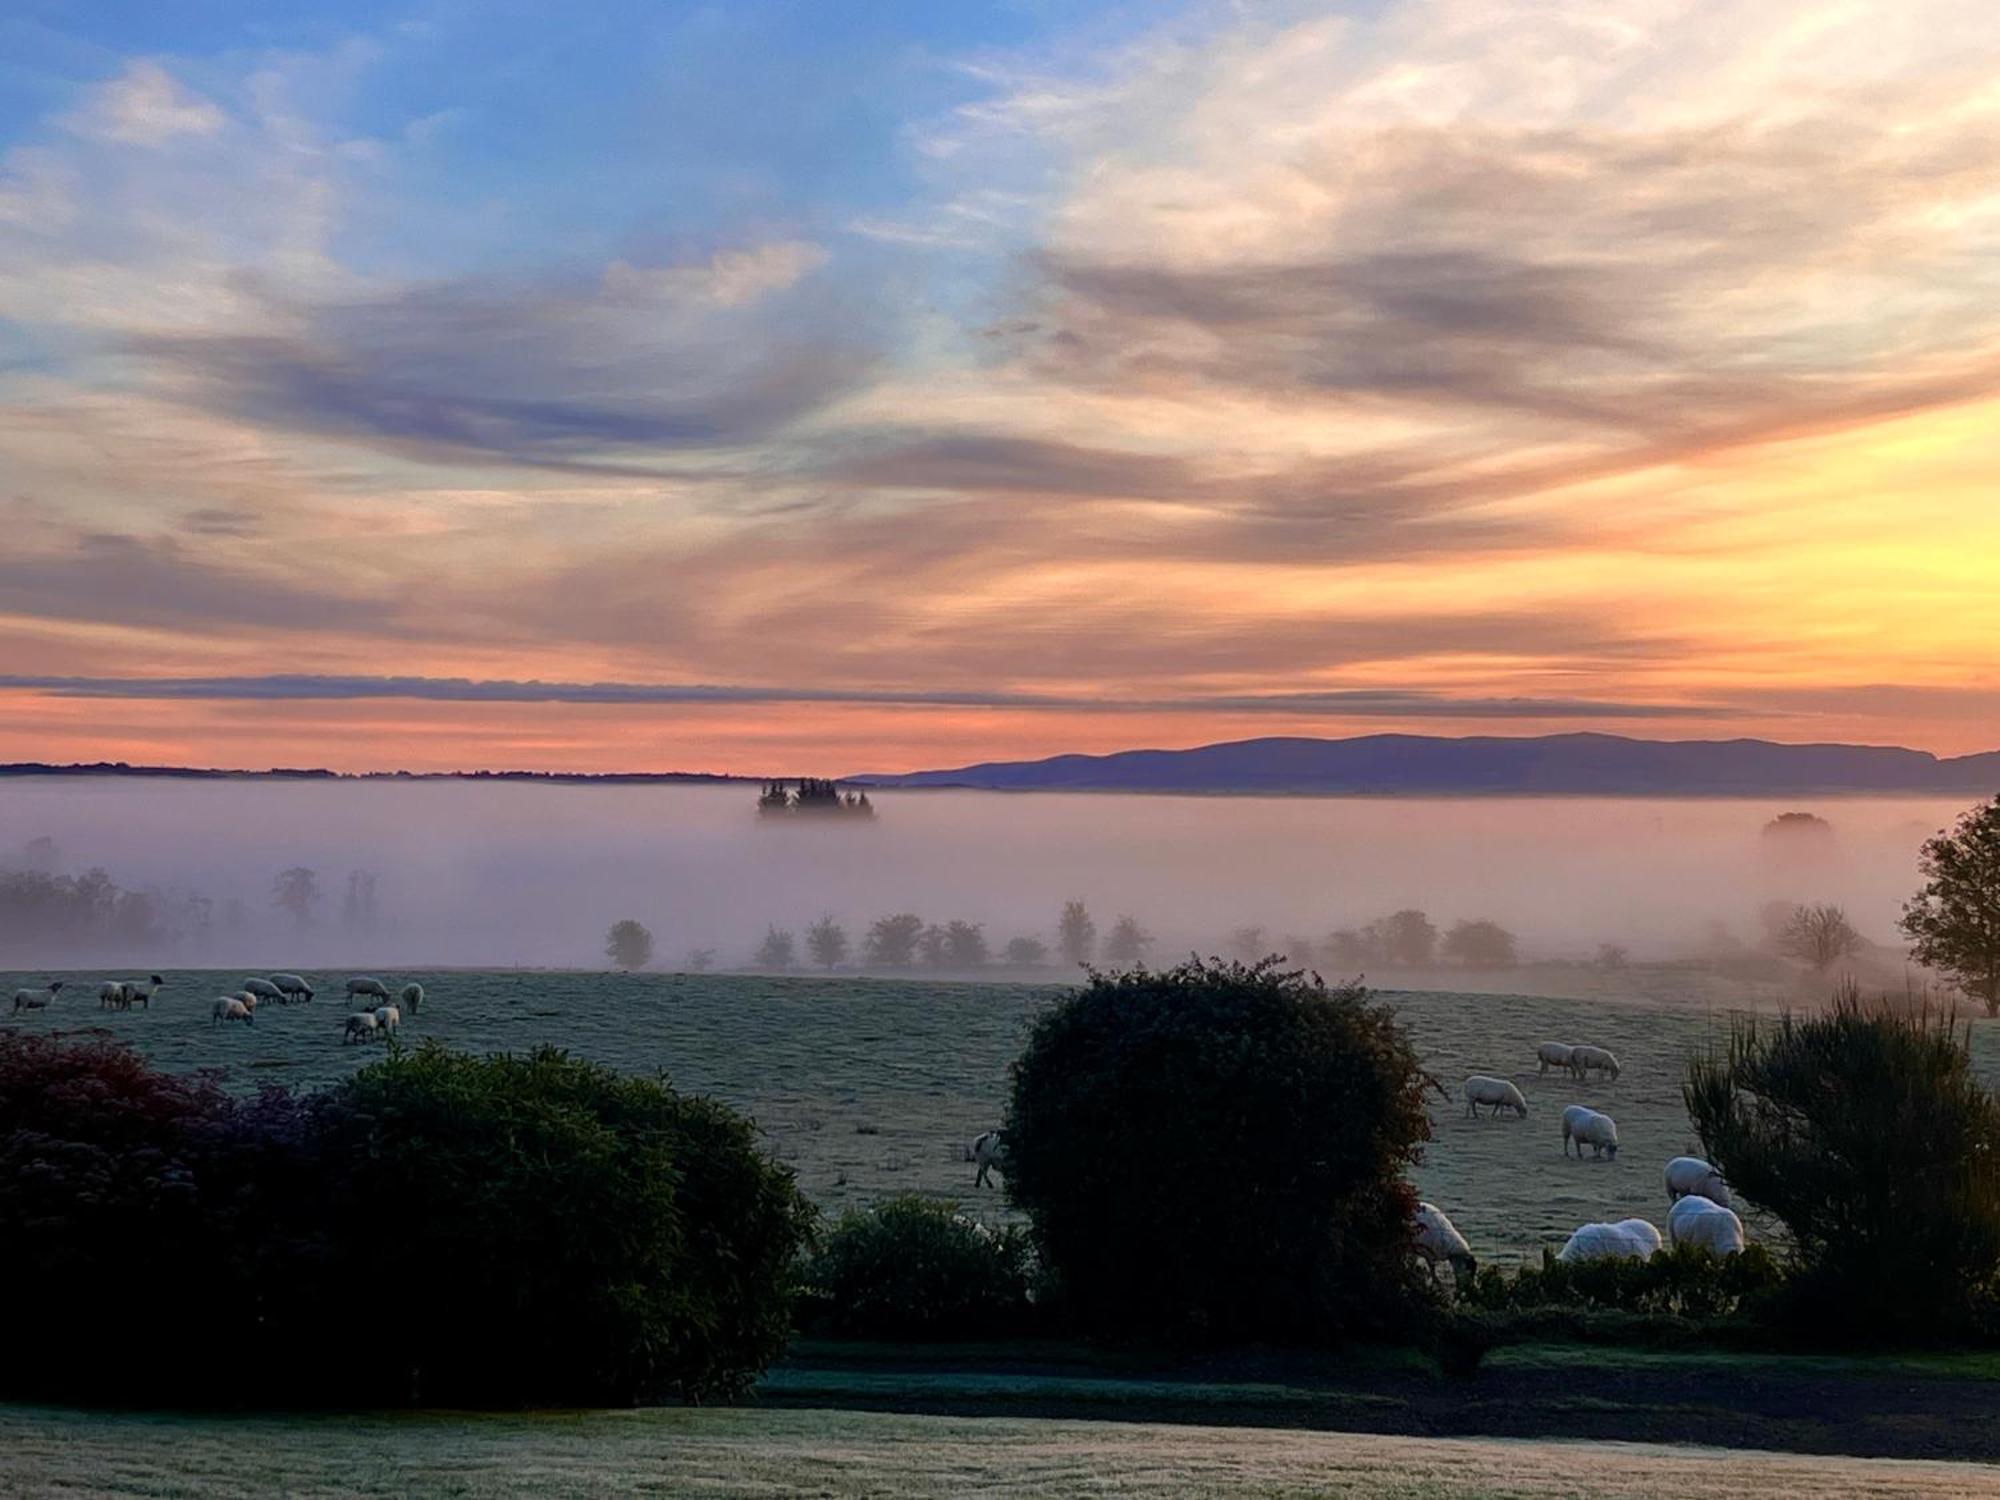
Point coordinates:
[[1818, 935]]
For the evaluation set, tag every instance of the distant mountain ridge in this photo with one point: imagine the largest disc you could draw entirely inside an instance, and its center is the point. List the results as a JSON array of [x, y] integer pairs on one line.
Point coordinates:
[[1548, 765]]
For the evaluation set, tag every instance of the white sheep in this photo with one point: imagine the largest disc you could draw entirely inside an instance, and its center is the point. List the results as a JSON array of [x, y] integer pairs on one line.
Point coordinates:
[[263, 989], [1554, 1055], [361, 984], [292, 984], [1437, 1239], [230, 1008], [1691, 1175], [360, 1027], [37, 999], [110, 993], [1587, 1127], [411, 998], [989, 1151], [1695, 1220], [1629, 1239], [1585, 1060], [1498, 1092], [247, 1000], [389, 1018], [141, 992]]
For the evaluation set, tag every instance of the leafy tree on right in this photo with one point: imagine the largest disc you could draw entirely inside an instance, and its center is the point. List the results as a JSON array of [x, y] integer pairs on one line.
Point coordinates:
[[1953, 923]]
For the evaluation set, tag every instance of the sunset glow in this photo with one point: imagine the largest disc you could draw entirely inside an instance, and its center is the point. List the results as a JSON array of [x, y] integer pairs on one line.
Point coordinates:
[[877, 388]]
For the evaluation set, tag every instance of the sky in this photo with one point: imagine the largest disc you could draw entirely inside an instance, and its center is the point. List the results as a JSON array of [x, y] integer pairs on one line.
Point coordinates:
[[805, 388]]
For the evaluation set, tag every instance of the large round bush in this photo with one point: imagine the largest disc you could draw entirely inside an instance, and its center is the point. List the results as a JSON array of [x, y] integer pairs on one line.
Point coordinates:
[[1218, 1151], [548, 1230]]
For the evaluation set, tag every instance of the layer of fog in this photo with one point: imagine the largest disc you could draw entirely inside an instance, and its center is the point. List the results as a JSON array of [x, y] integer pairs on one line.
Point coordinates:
[[500, 875]]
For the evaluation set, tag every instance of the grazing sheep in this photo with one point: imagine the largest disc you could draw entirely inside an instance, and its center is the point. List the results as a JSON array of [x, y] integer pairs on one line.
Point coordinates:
[[140, 992], [412, 997], [1628, 1239], [290, 985], [1437, 1239], [248, 1000], [36, 999], [1498, 1092], [263, 989], [1554, 1055], [1696, 1220], [360, 1027], [1589, 1128], [111, 993], [989, 1151], [230, 1008], [361, 984], [388, 1018], [1585, 1060], [1690, 1175]]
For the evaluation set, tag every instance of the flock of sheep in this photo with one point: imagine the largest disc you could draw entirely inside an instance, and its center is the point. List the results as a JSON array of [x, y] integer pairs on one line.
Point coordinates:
[[362, 1025], [1700, 1211]]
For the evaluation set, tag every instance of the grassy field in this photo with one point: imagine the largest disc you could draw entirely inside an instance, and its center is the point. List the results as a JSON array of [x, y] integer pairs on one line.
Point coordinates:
[[870, 1087], [58, 1452]]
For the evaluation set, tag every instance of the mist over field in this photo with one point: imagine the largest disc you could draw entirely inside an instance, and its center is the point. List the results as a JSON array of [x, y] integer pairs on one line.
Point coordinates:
[[498, 875]]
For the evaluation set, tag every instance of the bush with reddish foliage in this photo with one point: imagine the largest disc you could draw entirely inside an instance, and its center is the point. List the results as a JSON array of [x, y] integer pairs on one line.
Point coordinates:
[[438, 1228]]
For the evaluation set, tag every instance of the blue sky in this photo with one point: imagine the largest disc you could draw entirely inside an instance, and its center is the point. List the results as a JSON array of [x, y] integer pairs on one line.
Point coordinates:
[[1041, 376]]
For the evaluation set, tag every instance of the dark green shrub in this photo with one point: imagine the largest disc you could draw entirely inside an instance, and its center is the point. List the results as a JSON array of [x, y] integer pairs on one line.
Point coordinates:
[[1217, 1152], [1865, 1132], [551, 1231], [1681, 1282], [914, 1268]]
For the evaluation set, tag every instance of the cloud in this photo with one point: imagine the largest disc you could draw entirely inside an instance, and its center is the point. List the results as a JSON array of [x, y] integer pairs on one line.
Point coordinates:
[[145, 106], [647, 361], [1357, 704]]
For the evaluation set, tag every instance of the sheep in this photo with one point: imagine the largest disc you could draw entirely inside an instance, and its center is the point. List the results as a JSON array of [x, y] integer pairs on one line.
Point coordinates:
[[263, 989], [361, 984], [1437, 1239], [1695, 1220], [290, 985], [230, 1008], [388, 1018], [989, 1151], [141, 993], [412, 997], [1498, 1092], [36, 999], [1584, 1060], [1587, 1127], [1554, 1055], [360, 1027], [1629, 1239], [1688, 1175], [246, 999], [111, 993]]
